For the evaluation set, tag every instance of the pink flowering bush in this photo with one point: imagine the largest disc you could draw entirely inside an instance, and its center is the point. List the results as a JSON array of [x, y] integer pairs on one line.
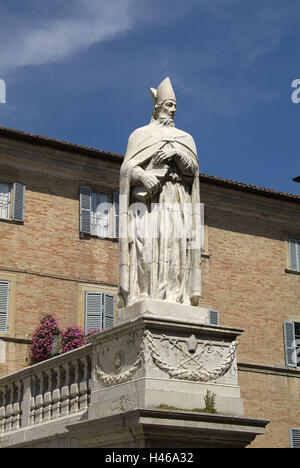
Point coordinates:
[[71, 338], [49, 340], [42, 339]]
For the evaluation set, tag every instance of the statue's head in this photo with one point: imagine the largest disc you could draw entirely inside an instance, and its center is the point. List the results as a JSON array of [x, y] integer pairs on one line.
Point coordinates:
[[164, 101]]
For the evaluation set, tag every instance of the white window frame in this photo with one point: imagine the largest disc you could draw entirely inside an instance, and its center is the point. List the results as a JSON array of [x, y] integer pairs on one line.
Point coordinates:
[[91, 219], [5, 205], [292, 343], [296, 260], [98, 216], [15, 203]]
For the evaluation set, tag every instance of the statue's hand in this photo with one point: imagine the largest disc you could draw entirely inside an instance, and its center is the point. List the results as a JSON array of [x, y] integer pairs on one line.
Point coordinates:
[[151, 183], [163, 156]]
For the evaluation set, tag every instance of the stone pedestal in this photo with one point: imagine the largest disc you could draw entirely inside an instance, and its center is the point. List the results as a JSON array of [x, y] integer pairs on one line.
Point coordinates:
[[161, 358], [166, 355]]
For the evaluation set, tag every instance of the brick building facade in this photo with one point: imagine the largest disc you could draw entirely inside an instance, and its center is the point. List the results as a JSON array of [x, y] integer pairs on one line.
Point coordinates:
[[250, 267]]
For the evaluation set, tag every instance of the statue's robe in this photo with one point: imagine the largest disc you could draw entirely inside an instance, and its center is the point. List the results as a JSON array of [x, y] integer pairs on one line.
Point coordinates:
[[154, 265]]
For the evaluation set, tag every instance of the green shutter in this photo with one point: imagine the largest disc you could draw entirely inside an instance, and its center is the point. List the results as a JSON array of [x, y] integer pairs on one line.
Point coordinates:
[[93, 311], [85, 209], [4, 293], [108, 311], [290, 344], [18, 202]]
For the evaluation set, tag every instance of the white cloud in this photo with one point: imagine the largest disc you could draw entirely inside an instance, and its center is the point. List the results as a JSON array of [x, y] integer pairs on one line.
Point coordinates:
[[36, 41]]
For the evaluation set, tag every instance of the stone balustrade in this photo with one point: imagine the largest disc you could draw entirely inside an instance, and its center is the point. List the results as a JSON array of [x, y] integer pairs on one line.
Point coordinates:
[[47, 391]]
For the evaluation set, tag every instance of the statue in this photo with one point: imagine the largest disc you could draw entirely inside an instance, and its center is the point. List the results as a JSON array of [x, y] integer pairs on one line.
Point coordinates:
[[159, 197]]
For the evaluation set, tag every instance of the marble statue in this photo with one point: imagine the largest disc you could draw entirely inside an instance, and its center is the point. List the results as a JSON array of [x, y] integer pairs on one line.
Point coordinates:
[[159, 197]]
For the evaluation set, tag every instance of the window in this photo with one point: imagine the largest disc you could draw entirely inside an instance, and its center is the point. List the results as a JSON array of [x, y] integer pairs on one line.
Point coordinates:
[[295, 438], [99, 213], [294, 254], [292, 343], [214, 317], [12, 198], [5, 200], [99, 311], [4, 295]]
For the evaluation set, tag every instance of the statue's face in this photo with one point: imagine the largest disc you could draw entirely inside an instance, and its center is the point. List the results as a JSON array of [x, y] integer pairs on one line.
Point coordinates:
[[167, 109]]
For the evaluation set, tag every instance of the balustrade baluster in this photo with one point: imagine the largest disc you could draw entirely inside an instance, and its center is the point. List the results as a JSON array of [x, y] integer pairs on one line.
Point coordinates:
[[32, 413], [16, 409], [39, 400], [9, 410], [65, 391], [74, 388], [47, 395], [2, 411], [56, 397], [83, 384]]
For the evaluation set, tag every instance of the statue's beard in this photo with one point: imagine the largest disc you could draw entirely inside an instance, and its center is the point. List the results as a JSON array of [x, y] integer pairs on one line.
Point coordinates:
[[166, 121]]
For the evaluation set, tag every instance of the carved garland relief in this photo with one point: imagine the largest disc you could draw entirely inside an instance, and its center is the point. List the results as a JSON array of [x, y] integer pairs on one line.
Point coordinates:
[[192, 365]]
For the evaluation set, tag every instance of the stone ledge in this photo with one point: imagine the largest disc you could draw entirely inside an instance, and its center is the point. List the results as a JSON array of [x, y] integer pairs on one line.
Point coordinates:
[[166, 428], [265, 369], [166, 310]]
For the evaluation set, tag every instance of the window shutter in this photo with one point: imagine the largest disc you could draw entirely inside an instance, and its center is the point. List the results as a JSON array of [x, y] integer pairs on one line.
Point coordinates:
[[18, 202], [93, 311], [109, 311], [290, 344], [294, 251], [85, 209], [295, 438], [116, 212], [4, 293], [214, 317]]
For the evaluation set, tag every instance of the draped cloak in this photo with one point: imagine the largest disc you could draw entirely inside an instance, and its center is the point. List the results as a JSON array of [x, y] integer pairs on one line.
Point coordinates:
[[143, 144]]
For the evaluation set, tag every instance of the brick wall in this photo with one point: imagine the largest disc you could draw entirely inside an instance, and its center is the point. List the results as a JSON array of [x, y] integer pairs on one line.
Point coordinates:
[[245, 276], [272, 397]]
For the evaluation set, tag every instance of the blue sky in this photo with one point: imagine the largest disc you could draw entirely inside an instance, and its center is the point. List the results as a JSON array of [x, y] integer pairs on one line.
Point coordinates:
[[80, 71]]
